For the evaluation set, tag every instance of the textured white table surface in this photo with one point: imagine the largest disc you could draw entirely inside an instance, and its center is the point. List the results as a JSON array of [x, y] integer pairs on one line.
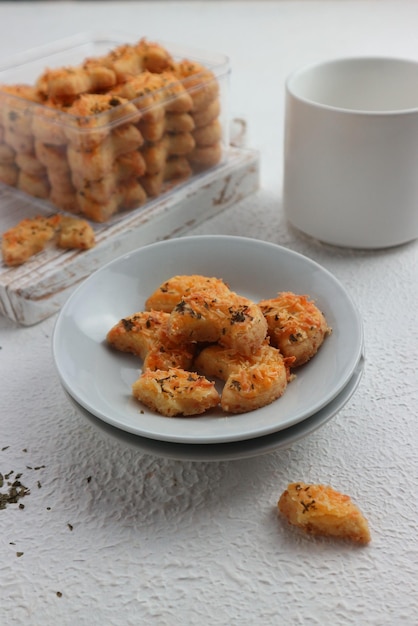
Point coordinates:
[[111, 536]]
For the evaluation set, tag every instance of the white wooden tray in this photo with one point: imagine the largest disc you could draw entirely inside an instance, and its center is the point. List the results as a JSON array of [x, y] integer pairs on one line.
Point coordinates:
[[37, 289]]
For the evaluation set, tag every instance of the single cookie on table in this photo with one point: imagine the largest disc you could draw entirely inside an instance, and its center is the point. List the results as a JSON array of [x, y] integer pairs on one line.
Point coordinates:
[[175, 392], [321, 510], [295, 325]]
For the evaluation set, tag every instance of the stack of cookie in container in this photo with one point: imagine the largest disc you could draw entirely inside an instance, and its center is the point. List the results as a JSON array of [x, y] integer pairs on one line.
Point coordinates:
[[106, 135]]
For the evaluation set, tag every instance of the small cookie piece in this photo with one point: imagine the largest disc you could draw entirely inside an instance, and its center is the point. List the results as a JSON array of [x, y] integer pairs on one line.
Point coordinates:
[[320, 510], [295, 325], [75, 233], [175, 392], [27, 238]]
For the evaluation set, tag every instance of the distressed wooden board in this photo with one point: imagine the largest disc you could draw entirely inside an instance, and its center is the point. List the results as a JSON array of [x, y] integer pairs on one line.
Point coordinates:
[[37, 289]]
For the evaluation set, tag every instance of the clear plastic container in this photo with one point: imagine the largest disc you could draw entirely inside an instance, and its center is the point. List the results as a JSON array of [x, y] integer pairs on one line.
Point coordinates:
[[101, 124]]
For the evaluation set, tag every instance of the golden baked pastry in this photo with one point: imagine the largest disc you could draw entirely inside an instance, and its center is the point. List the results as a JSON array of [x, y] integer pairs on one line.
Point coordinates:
[[31, 235], [251, 382], [295, 325], [175, 392], [321, 510]]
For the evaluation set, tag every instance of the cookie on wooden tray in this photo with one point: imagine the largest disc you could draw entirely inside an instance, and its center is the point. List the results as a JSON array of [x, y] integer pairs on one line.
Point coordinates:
[[27, 238], [321, 510], [75, 233]]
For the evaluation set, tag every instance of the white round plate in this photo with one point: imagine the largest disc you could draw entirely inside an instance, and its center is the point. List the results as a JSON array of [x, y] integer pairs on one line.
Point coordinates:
[[237, 449], [100, 378]]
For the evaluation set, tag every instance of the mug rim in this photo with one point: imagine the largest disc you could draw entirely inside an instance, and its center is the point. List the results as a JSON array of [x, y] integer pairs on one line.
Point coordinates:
[[345, 60]]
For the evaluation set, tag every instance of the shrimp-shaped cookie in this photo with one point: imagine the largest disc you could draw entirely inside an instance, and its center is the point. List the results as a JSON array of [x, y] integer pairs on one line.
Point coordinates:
[[170, 292], [143, 334], [232, 320], [175, 392], [295, 325], [251, 382], [321, 510]]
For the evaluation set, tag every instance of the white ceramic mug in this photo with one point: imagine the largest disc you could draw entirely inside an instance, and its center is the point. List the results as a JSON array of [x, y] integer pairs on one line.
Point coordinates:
[[351, 151]]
